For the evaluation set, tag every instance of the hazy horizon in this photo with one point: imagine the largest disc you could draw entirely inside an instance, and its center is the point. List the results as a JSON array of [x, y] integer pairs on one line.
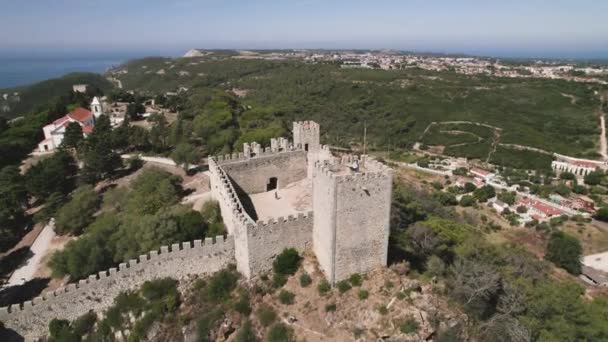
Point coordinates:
[[527, 29]]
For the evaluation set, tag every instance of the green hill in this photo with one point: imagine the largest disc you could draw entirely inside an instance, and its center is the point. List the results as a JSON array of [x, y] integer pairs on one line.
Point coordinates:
[[396, 105], [32, 98]]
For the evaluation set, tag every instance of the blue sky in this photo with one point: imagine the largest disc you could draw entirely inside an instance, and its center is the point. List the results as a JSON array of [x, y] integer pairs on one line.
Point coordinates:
[[575, 28]]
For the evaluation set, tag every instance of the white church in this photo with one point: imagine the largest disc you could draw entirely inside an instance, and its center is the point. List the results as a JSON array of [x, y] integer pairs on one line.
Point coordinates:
[[55, 131]]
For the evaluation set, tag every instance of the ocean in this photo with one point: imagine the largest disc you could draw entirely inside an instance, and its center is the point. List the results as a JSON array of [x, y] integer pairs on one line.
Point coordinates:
[[20, 71]]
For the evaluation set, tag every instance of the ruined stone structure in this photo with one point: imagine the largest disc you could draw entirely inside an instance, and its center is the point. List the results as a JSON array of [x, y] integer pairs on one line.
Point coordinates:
[[345, 221], [97, 293], [289, 195]]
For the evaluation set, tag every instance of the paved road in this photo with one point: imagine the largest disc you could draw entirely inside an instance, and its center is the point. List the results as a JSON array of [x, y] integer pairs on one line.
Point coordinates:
[[39, 248]]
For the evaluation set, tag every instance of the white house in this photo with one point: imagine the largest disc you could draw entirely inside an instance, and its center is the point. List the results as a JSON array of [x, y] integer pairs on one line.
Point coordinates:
[[55, 131]]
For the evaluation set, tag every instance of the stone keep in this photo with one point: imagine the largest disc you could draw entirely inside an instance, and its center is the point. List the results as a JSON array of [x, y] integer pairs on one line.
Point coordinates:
[[351, 218]]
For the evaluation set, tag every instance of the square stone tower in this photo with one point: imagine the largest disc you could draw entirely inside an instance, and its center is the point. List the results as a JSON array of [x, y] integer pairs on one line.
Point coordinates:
[[306, 136], [351, 204]]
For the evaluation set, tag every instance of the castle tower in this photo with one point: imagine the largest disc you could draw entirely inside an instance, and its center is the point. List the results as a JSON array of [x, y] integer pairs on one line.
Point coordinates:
[[306, 136], [96, 107], [351, 216]]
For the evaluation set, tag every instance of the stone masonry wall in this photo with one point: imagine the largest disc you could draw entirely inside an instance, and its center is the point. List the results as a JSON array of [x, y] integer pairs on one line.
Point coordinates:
[[266, 240], [252, 175], [362, 223], [97, 293], [324, 208], [352, 214]]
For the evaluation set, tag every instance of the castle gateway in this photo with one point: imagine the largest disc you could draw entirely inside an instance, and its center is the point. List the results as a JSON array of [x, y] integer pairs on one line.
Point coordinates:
[[297, 194]]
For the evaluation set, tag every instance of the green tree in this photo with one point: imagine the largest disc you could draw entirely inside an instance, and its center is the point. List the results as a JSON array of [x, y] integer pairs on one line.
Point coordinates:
[[564, 251], [54, 174], [135, 110], [13, 201], [73, 135], [484, 193], [594, 178], [602, 214], [507, 197], [75, 215], [185, 154], [159, 133], [100, 160]]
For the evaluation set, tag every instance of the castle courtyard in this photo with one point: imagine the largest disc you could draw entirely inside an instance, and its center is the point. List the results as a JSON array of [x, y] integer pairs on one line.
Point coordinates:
[[293, 199]]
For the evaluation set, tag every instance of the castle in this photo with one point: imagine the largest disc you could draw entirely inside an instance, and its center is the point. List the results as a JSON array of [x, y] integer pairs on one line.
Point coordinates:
[[297, 194], [289, 195]]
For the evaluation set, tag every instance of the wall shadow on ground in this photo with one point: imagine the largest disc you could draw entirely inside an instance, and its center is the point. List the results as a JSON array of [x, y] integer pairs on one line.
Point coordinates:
[[22, 293], [245, 200]]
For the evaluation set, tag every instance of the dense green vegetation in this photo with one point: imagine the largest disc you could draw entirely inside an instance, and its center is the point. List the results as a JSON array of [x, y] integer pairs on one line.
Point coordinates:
[[39, 96], [521, 159], [396, 106], [133, 221], [440, 135], [510, 294]]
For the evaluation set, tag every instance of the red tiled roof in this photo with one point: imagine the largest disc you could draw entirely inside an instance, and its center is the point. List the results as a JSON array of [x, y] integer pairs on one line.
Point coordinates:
[[80, 114], [480, 171], [585, 164], [545, 209], [60, 120], [87, 129]]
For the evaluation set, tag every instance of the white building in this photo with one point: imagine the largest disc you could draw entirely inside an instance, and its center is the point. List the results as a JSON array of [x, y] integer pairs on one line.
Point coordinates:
[[55, 131]]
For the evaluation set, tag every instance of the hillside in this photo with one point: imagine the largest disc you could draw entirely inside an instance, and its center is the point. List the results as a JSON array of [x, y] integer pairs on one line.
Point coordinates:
[[31, 98], [396, 105]]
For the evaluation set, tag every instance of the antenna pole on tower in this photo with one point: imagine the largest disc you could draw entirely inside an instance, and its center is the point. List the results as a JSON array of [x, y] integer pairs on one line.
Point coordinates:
[[365, 138]]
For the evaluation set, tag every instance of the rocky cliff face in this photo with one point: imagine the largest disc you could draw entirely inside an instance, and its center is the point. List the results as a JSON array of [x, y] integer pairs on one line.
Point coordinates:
[[194, 53]]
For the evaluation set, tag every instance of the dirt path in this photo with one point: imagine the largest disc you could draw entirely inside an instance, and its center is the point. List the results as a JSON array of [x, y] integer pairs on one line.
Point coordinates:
[[39, 249]]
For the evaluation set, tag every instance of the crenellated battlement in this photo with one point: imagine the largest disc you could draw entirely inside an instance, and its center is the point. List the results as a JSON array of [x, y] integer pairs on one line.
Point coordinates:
[[207, 247], [341, 169], [282, 220]]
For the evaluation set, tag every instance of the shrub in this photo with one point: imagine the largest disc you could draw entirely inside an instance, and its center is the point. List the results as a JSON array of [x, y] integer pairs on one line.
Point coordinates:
[[363, 294], [286, 297], [287, 262], [356, 279], [280, 333], [246, 333], [242, 304], [323, 287], [278, 280], [435, 266], [409, 326], [343, 286], [330, 307], [220, 285], [266, 315], [467, 201], [382, 309], [564, 251], [305, 280]]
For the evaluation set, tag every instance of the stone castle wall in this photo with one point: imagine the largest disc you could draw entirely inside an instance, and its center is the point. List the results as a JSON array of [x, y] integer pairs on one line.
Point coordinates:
[[362, 221], [352, 214], [257, 243], [266, 240], [97, 293], [324, 208], [252, 175]]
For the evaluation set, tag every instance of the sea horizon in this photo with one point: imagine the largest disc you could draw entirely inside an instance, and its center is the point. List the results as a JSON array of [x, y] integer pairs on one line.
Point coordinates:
[[23, 67]]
